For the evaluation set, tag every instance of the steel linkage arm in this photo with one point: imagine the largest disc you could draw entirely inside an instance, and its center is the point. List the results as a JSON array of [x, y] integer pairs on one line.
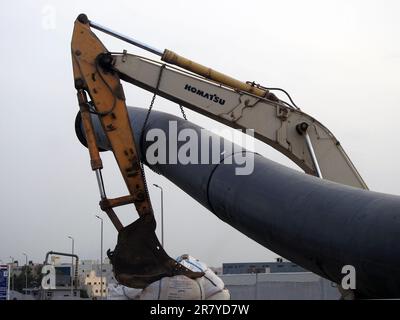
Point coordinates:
[[138, 258]]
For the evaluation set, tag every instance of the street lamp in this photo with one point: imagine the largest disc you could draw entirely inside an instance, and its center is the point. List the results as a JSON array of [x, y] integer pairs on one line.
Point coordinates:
[[162, 212], [11, 269], [101, 257], [26, 272], [72, 266]]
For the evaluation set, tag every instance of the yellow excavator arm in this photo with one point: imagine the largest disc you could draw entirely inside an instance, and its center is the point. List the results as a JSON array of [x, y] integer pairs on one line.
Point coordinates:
[[138, 258]]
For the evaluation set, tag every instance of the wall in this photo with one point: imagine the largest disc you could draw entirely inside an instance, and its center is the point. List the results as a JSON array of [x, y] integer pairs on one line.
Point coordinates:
[[280, 286]]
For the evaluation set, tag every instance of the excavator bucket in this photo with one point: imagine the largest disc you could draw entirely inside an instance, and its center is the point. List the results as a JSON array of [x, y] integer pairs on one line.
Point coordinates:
[[139, 259]]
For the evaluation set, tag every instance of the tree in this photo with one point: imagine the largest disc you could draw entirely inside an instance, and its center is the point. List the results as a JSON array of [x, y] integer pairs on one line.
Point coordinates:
[[34, 277]]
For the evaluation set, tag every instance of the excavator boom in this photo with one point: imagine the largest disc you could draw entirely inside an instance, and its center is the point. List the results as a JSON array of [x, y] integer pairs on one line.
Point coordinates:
[[238, 104], [289, 130]]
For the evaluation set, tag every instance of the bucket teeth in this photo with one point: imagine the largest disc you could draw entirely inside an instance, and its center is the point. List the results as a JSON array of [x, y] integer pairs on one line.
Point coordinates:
[[139, 259]]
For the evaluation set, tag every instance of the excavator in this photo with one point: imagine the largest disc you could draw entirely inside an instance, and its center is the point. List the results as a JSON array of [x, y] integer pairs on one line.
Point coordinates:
[[138, 258]]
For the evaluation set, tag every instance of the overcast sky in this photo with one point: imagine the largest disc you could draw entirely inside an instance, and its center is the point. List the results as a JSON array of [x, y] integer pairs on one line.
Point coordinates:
[[340, 60]]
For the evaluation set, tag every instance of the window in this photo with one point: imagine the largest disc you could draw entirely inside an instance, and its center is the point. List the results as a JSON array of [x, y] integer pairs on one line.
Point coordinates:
[[89, 283]]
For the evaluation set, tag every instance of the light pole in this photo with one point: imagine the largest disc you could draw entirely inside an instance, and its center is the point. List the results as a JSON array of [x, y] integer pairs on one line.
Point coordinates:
[[11, 269], [72, 267], [162, 212], [8, 282], [26, 272], [101, 257]]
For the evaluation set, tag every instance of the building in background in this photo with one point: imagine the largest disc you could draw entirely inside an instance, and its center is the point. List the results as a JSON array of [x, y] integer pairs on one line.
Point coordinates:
[[278, 280], [94, 286], [279, 266], [86, 266], [63, 275], [89, 280], [280, 286]]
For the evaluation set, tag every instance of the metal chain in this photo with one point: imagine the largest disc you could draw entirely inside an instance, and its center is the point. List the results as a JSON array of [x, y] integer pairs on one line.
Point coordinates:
[[153, 99], [144, 126], [145, 123]]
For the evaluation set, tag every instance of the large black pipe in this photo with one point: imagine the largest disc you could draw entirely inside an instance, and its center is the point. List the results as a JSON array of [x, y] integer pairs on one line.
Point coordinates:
[[318, 224]]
